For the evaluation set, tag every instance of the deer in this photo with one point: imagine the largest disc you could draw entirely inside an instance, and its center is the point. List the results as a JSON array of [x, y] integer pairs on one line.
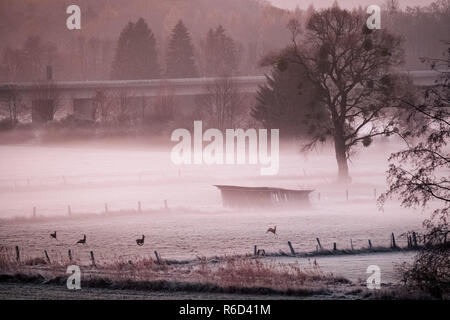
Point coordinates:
[[140, 242], [53, 235], [273, 230], [82, 241]]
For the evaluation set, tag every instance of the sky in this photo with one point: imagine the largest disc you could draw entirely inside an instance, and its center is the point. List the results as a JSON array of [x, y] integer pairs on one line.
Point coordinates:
[[303, 4]]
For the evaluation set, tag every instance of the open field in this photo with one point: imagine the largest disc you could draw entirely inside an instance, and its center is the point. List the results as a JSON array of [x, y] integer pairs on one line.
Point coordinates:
[[194, 226]]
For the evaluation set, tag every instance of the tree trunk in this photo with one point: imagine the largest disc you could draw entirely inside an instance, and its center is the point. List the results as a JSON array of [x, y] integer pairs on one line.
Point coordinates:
[[341, 158]]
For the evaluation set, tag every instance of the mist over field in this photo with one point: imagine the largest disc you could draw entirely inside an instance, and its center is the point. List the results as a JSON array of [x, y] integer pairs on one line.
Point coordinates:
[[117, 121], [51, 178]]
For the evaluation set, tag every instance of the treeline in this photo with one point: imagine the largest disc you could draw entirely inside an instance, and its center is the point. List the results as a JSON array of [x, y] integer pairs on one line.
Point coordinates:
[[253, 26], [247, 30]]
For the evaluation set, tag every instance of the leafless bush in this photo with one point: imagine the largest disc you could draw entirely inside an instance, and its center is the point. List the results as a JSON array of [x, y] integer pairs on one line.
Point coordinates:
[[430, 270]]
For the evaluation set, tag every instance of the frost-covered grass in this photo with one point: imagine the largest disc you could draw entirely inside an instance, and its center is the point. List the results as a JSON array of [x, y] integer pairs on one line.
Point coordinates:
[[233, 274]]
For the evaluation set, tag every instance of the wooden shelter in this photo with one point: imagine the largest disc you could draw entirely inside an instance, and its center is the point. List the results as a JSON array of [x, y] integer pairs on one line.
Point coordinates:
[[261, 197]]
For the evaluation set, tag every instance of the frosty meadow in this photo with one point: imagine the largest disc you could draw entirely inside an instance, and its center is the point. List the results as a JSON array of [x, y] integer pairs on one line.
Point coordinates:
[[190, 150]]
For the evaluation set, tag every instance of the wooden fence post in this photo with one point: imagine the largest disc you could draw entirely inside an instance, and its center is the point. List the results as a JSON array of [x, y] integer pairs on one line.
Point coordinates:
[[414, 237], [69, 210], [292, 248], [46, 256], [393, 244], [351, 244], [70, 255], [92, 258], [318, 242], [334, 246], [17, 254], [158, 260], [370, 244], [255, 250]]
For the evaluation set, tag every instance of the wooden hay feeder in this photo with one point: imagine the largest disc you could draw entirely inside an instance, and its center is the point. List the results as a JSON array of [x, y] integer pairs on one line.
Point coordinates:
[[262, 197]]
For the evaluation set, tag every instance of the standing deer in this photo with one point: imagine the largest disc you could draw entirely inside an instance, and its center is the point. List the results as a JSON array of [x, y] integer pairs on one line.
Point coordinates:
[[273, 230], [140, 242]]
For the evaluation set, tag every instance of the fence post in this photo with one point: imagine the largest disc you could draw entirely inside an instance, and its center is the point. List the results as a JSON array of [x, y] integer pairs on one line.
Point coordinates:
[[255, 250], [292, 248], [17, 254], [351, 244], [46, 256], [334, 246], [69, 210], [92, 258], [414, 239], [393, 244], [158, 260], [70, 255], [318, 242], [370, 244]]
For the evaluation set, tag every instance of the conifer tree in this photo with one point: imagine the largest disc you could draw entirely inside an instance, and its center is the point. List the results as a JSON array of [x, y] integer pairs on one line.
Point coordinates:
[[136, 55], [180, 56]]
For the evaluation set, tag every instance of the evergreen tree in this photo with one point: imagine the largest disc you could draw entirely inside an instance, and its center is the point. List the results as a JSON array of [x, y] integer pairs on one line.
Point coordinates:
[[221, 53], [180, 56], [289, 101], [136, 56]]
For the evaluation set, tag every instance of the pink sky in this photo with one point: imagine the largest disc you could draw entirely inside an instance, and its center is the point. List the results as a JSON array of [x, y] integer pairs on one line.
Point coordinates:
[[291, 4]]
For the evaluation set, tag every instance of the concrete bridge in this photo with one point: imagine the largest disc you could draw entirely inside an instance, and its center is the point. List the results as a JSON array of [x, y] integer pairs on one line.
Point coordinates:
[[77, 96]]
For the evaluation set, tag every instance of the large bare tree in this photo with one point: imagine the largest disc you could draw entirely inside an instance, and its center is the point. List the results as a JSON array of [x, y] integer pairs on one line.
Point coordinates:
[[352, 69]]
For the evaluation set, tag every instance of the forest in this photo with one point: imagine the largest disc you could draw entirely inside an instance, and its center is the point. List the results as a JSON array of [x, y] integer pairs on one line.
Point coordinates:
[[33, 36]]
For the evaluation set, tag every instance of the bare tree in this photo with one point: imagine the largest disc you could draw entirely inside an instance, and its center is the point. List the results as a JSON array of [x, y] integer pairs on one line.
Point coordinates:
[[103, 106], [225, 101], [164, 103], [10, 106], [351, 67], [47, 101], [419, 176]]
